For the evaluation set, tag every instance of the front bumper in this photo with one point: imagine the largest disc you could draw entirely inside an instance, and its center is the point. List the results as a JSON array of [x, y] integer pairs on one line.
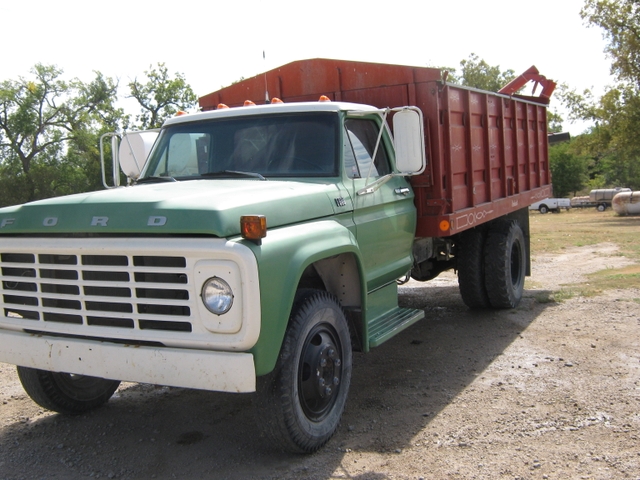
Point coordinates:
[[187, 368]]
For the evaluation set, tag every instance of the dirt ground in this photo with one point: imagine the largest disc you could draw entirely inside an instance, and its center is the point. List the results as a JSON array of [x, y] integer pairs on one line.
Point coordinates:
[[545, 391]]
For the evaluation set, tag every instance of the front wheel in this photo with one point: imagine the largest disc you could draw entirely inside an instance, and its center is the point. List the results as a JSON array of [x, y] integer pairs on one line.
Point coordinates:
[[64, 392], [505, 264], [299, 404], [543, 209]]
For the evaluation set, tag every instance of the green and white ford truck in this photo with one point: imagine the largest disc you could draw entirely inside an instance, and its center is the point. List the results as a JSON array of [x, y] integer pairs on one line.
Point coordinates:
[[255, 248]]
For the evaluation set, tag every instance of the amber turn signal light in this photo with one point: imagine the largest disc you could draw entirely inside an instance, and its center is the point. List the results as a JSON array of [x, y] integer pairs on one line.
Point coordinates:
[[253, 227]]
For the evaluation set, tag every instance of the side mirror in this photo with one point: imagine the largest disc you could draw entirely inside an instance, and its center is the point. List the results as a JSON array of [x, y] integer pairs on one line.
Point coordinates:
[[408, 133], [134, 150]]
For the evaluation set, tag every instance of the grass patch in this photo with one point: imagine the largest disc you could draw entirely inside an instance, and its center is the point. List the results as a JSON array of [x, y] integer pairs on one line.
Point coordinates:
[[609, 279], [554, 233], [551, 233], [620, 278], [557, 296]]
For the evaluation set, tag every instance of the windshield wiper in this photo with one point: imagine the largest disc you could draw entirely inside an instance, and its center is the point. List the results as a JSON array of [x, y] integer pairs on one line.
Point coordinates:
[[224, 173], [155, 179]]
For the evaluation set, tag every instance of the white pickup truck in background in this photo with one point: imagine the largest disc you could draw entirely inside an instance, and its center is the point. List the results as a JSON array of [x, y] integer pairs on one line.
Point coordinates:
[[551, 204]]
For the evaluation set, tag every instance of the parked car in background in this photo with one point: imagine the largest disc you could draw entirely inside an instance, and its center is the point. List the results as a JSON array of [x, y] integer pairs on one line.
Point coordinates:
[[551, 205]]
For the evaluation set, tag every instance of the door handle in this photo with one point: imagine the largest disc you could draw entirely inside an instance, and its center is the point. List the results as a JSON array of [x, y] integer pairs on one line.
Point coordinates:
[[402, 191]]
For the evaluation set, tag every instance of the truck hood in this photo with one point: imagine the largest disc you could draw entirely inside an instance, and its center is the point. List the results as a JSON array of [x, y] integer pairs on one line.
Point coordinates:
[[211, 207]]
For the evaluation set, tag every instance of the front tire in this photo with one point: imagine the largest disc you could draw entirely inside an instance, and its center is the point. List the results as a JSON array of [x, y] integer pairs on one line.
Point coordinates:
[[543, 209], [66, 393], [300, 403], [505, 264]]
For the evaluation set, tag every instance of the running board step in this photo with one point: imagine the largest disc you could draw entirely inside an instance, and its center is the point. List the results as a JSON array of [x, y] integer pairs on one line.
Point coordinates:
[[383, 328]]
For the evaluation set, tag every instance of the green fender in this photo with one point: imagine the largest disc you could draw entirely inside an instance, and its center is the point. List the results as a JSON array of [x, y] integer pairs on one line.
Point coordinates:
[[282, 258]]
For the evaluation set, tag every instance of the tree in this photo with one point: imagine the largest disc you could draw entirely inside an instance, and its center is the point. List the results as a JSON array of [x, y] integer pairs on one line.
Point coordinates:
[[568, 170], [43, 121], [477, 73], [161, 96], [613, 144], [620, 21]]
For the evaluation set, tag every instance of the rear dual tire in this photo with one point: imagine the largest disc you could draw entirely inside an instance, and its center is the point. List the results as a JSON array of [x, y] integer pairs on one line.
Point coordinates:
[[492, 265], [505, 264], [471, 276]]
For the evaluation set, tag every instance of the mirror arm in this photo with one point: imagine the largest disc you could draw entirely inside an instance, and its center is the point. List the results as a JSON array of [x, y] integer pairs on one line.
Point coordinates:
[[375, 150]]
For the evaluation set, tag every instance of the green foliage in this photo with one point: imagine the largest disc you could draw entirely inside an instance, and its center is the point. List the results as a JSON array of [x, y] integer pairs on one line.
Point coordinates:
[[44, 121], [477, 73], [554, 122], [620, 22], [568, 170], [613, 145], [50, 129], [161, 97]]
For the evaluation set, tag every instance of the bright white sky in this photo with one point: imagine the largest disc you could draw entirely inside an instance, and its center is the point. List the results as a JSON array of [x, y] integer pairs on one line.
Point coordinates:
[[214, 43]]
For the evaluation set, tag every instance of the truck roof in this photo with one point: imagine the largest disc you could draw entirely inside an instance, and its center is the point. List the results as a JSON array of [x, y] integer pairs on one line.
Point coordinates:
[[296, 107]]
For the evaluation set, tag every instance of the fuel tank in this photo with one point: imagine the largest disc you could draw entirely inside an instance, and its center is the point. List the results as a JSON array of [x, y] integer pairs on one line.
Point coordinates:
[[626, 203]]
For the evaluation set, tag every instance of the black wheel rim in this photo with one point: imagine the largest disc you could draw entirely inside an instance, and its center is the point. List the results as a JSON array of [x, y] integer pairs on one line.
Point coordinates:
[[320, 372], [81, 387]]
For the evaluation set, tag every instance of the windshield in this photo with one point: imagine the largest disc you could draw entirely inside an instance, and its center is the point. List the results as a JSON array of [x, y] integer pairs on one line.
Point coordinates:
[[268, 145]]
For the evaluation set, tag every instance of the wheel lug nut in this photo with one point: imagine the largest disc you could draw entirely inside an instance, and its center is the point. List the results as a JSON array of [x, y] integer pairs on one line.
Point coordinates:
[[337, 362], [323, 362], [336, 380], [327, 391]]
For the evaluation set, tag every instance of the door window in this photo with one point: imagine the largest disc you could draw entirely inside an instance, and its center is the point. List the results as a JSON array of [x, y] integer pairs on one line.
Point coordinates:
[[360, 142]]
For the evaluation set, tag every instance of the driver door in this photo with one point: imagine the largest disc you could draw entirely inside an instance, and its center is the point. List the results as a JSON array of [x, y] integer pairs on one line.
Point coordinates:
[[385, 218]]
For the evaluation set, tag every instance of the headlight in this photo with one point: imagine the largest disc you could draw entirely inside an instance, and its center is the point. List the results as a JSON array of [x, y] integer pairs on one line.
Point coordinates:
[[217, 295]]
